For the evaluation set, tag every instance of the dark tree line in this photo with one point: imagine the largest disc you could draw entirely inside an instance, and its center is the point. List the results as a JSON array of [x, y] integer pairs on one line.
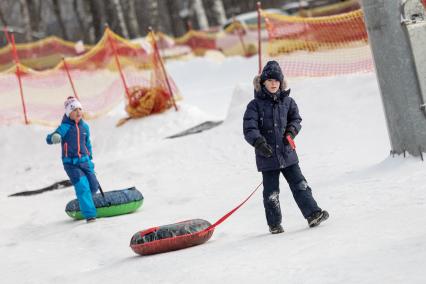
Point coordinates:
[[86, 19]]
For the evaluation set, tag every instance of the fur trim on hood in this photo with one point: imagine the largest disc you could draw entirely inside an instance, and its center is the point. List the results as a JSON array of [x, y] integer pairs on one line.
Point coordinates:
[[257, 86]]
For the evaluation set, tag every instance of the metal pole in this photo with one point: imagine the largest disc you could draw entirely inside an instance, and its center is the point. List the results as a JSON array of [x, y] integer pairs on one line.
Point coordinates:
[[396, 73], [69, 77], [163, 69], [259, 39], [18, 74], [117, 61]]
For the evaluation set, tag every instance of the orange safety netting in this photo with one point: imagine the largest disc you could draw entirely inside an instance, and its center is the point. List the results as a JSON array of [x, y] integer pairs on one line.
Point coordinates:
[[156, 97], [42, 54], [96, 80], [198, 41], [320, 46]]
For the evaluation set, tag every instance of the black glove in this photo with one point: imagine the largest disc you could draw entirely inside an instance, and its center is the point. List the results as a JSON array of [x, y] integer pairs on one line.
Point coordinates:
[[264, 149], [290, 131]]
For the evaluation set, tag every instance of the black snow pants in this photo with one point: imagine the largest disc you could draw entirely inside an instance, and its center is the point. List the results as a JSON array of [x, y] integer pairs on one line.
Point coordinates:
[[302, 193]]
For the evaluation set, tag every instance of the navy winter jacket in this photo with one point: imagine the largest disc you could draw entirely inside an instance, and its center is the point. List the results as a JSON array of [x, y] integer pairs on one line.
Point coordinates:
[[75, 141], [269, 117]]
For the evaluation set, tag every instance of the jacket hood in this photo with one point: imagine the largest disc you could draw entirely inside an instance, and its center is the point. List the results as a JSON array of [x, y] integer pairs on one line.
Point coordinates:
[[258, 93]]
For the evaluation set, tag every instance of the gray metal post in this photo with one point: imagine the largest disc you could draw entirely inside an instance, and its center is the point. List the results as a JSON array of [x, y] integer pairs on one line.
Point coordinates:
[[398, 78]]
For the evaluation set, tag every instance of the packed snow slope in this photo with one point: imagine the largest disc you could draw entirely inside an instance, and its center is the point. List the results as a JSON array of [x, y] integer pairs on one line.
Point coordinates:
[[376, 232]]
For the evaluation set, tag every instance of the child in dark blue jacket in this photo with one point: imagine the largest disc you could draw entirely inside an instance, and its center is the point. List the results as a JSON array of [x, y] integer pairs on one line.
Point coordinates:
[[271, 122], [74, 136]]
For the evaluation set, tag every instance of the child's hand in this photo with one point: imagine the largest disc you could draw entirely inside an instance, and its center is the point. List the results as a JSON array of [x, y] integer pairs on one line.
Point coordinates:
[[56, 138], [263, 147]]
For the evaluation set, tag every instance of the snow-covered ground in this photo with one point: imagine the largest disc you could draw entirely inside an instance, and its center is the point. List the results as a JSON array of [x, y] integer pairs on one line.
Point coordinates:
[[376, 232]]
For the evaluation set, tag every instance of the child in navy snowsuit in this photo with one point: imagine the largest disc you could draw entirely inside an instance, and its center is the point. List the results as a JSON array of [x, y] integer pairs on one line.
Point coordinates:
[[74, 136], [271, 122]]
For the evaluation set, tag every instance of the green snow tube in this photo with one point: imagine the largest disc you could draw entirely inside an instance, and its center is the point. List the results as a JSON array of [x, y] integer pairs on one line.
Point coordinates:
[[116, 202]]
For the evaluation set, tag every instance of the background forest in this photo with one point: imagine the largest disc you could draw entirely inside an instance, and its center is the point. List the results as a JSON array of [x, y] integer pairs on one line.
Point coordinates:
[[85, 20]]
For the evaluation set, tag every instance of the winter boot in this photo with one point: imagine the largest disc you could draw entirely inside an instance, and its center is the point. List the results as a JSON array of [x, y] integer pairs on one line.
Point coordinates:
[[316, 218], [90, 220], [276, 229]]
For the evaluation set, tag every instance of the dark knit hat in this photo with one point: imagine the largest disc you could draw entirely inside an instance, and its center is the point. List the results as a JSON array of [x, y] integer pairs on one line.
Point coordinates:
[[272, 70]]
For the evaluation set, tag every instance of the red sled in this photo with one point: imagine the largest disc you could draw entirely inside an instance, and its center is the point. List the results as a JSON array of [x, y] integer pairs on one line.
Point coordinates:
[[171, 237]]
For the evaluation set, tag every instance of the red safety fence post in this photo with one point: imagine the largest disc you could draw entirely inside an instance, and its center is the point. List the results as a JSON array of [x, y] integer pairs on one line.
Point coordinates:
[[163, 69], [11, 40], [259, 43], [117, 61], [69, 77]]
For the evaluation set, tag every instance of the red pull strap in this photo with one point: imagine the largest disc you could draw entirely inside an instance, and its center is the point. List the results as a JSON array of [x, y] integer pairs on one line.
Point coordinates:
[[226, 216]]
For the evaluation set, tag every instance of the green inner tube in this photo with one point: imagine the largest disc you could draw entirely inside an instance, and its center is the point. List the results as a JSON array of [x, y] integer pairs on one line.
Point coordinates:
[[112, 203], [110, 211]]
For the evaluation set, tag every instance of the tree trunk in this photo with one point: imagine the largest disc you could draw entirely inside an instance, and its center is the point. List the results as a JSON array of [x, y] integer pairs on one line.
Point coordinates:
[[2, 18], [57, 11], [26, 20], [143, 16], [98, 18], [155, 15], [87, 21], [197, 6], [219, 12], [177, 22], [120, 18], [83, 27], [35, 8], [132, 21], [164, 17]]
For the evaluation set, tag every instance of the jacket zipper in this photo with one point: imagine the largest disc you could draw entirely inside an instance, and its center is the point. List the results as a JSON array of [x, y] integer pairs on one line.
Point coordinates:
[[66, 149], [78, 139]]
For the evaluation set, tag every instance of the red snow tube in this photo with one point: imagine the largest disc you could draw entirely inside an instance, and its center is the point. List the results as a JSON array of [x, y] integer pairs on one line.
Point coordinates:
[[171, 237]]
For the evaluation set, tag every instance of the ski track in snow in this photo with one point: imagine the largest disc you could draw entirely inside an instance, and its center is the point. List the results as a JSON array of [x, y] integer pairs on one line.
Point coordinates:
[[375, 233]]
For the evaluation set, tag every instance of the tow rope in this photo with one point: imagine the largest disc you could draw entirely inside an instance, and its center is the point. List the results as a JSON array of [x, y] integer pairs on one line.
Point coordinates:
[[226, 216]]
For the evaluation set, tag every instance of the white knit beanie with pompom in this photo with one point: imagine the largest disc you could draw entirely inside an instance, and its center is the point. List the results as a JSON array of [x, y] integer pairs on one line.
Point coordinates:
[[71, 104]]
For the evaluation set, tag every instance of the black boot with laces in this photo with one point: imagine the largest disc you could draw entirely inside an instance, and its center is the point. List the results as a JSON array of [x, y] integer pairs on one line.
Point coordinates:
[[276, 229], [316, 218]]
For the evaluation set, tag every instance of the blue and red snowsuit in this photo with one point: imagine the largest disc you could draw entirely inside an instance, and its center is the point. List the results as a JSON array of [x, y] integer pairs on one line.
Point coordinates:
[[77, 160]]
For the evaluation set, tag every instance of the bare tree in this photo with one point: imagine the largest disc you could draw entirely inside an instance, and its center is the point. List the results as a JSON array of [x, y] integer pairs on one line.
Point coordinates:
[[35, 8], [83, 21], [2, 18], [26, 20], [57, 12], [219, 12], [164, 17], [129, 6], [120, 18], [177, 20], [197, 6], [98, 17], [154, 15]]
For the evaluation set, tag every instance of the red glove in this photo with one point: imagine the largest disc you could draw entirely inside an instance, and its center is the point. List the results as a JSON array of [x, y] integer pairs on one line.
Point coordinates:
[[291, 141]]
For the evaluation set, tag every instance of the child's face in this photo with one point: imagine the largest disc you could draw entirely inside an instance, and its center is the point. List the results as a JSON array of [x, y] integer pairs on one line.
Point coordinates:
[[272, 85], [76, 114]]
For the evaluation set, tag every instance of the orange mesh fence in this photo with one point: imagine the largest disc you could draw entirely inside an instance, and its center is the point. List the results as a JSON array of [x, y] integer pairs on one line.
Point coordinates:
[[168, 47], [42, 54], [321, 46], [155, 97], [96, 80], [198, 41]]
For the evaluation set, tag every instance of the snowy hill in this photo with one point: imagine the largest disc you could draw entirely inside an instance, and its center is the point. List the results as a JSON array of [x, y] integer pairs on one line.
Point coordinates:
[[375, 233]]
